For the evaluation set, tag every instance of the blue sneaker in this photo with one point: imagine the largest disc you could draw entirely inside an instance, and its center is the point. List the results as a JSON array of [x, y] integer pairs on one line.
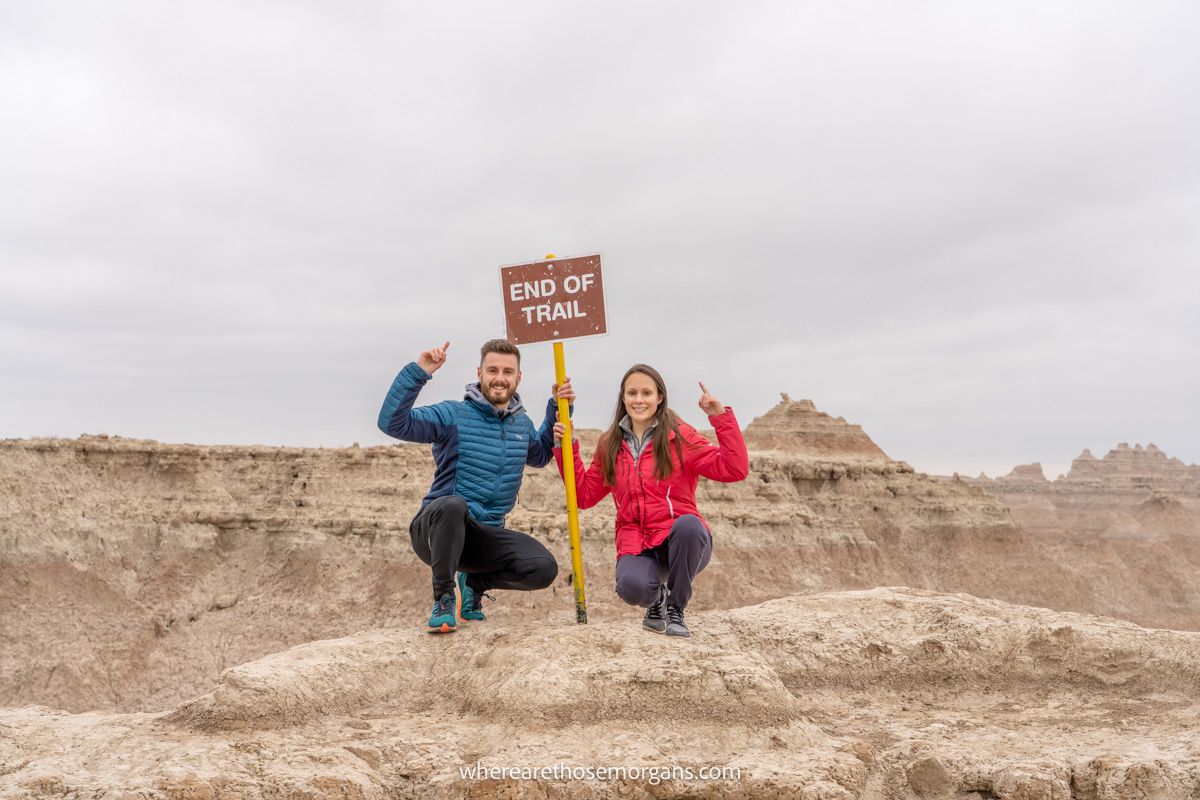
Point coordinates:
[[442, 619], [471, 607]]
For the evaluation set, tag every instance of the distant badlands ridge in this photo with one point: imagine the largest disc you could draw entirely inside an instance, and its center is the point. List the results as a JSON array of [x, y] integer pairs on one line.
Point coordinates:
[[798, 428], [1126, 467]]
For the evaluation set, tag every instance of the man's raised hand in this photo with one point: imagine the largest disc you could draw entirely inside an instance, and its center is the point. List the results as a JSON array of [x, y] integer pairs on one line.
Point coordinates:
[[709, 404], [431, 360], [565, 391]]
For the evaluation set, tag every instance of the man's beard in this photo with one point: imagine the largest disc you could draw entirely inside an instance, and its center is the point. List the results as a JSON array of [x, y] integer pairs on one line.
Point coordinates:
[[505, 394]]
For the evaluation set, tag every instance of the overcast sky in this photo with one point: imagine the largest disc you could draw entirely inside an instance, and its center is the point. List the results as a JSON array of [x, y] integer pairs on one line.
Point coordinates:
[[971, 228]]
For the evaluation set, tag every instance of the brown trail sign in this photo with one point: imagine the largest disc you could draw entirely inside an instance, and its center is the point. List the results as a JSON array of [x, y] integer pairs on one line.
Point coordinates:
[[553, 300]]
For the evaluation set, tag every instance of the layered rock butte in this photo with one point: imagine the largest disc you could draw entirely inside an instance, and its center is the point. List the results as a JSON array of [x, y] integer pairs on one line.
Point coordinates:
[[186, 621]]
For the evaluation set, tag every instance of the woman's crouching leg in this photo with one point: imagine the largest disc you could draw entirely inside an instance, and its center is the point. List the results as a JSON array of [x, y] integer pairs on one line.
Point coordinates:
[[637, 579], [689, 547]]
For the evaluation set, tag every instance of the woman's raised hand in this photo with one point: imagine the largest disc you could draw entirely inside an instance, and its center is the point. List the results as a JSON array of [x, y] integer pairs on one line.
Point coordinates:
[[559, 430], [432, 360], [709, 404]]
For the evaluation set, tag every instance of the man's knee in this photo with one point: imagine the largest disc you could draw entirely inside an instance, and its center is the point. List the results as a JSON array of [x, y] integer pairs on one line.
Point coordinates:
[[447, 505], [541, 572]]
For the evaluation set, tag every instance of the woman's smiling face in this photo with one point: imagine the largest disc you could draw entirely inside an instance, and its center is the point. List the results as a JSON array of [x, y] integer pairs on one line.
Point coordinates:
[[641, 397]]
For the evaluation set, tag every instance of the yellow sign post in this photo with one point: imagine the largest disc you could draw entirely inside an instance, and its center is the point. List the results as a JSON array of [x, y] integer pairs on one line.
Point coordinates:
[[560, 372]]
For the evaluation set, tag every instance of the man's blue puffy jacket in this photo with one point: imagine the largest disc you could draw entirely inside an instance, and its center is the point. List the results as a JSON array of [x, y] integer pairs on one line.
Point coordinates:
[[480, 453]]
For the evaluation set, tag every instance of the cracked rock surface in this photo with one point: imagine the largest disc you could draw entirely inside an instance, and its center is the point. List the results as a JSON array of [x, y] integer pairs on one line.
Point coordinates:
[[892, 693]]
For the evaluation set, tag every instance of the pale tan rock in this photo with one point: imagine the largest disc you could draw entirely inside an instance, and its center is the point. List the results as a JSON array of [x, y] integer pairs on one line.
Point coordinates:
[[1024, 473], [1013, 702]]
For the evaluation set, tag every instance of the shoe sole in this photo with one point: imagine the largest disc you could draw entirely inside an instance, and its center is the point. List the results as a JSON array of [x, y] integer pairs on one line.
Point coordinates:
[[683, 635], [446, 627], [653, 629]]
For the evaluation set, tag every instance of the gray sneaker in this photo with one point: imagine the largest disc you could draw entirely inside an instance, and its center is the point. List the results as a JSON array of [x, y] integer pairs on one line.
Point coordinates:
[[675, 625], [656, 615]]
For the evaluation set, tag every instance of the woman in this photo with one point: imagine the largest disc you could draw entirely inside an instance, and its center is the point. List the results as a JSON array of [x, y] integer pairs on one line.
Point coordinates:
[[651, 460]]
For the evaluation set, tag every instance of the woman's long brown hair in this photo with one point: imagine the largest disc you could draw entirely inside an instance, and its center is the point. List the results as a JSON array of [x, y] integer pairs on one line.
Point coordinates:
[[612, 439]]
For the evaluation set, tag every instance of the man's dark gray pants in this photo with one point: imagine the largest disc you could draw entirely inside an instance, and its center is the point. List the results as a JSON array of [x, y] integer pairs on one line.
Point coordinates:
[[676, 562], [448, 539]]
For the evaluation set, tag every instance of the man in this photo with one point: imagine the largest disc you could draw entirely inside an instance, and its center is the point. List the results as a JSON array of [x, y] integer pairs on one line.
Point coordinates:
[[481, 445]]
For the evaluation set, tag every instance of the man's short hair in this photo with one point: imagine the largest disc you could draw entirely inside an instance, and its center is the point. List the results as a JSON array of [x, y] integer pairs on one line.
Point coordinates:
[[499, 346]]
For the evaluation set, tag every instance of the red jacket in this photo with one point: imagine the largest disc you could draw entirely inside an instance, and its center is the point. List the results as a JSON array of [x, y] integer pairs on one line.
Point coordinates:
[[648, 507]]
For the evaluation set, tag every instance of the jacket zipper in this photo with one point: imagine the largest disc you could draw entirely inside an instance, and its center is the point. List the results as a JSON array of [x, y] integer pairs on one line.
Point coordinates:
[[642, 508], [633, 491], [503, 458]]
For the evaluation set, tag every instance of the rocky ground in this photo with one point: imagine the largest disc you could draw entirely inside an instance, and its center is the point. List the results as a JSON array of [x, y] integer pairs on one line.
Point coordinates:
[[892, 693]]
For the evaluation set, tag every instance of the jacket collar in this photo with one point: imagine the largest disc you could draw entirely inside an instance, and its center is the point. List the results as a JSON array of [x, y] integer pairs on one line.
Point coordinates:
[[474, 394], [626, 426]]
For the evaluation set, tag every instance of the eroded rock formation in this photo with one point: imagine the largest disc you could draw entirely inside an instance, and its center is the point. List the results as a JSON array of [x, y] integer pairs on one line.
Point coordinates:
[[135, 572], [246, 617]]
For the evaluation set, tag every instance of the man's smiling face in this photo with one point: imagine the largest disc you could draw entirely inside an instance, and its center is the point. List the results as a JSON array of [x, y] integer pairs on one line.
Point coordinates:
[[499, 376]]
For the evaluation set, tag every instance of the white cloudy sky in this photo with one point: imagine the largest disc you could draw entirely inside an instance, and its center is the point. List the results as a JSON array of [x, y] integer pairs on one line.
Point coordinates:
[[971, 228]]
